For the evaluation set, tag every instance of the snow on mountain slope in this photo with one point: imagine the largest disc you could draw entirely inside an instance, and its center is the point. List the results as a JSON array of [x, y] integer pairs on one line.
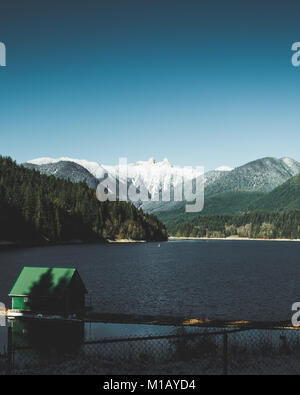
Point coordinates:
[[224, 168], [261, 175], [65, 169], [154, 176], [93, 167], [292, 165]]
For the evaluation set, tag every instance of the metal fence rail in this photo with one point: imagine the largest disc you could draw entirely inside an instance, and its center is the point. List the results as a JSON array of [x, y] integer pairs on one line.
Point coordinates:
[[202, 351]]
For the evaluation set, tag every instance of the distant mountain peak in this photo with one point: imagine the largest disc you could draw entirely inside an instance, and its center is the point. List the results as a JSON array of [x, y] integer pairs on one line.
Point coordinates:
[[288, 159], [260, 175], [64, 169], [152, 162], [93, 167], [43, 161], [224, 168]]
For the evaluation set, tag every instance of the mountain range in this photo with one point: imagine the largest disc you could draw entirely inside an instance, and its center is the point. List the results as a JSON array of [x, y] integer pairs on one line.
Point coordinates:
[[263, 184]]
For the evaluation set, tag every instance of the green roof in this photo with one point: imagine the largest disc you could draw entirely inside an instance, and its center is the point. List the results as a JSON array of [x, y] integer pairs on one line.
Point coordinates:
[[49, 280]]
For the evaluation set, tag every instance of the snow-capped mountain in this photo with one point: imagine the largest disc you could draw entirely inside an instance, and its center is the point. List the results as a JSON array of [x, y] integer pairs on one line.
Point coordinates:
[[224, 168], [262, 175], [154, 176], [93, 167], [157, 179], [65, 169]]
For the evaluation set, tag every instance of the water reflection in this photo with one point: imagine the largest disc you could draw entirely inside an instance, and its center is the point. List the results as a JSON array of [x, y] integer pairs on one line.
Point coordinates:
[[46, 340]]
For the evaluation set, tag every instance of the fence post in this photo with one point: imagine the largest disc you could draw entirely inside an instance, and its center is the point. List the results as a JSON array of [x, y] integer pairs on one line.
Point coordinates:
[[225, 353], [9, 351]]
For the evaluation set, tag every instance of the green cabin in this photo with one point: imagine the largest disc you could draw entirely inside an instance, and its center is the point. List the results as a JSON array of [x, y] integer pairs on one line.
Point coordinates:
[[48, 291]]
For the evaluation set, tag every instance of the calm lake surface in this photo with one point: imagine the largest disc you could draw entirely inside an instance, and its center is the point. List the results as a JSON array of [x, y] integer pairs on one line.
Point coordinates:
[[251, 280]]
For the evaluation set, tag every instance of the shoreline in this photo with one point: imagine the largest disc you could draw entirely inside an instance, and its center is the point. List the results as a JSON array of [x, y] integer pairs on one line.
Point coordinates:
[[173, 320], [229, 238], [6, 245], [15, 245], [126, 241]]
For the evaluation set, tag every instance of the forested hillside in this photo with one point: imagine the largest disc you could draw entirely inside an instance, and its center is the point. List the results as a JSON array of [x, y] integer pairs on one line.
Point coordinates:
[[232, 202], [267, 215], [285, 197], [36, 208], [267, 225]]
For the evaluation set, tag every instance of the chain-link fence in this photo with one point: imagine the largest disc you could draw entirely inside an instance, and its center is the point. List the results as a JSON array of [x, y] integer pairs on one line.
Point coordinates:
[[187, 351]]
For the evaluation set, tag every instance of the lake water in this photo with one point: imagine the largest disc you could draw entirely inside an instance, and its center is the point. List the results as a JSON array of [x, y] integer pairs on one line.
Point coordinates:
[[251, 280]]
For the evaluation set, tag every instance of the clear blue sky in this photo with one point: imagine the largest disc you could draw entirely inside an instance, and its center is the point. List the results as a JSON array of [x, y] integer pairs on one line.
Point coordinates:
[[199, 82]]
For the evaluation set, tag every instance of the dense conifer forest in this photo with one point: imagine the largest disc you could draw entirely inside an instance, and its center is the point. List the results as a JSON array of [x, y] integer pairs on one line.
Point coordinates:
[[35, 208], [266, 225]]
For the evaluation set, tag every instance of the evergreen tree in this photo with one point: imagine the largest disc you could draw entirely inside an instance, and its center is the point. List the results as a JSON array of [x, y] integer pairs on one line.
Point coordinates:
[[38, 208]]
